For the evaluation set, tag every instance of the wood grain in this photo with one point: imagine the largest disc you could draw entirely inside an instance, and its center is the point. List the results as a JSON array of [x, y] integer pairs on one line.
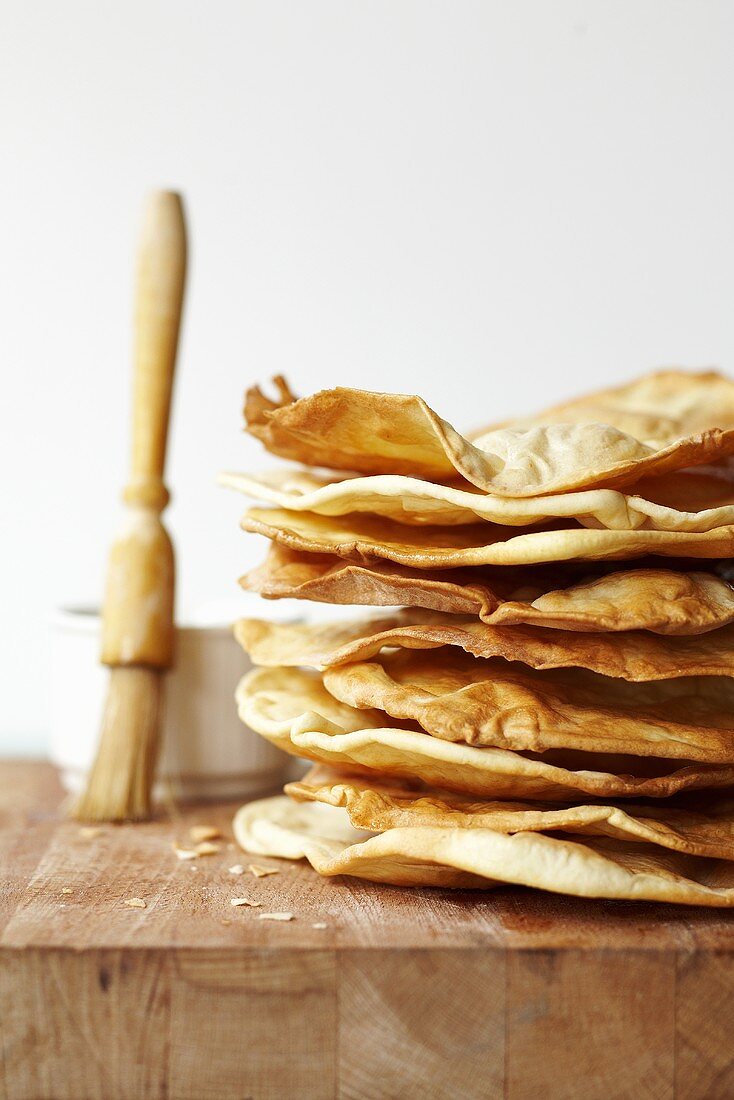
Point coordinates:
[[274, 1016], [705, 1011], [429, 993], [609, 1015], [87, 1025], [411, 1028]]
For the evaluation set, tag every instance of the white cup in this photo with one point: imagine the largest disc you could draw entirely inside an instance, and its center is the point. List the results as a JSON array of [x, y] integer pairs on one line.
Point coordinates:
[[206, 751]]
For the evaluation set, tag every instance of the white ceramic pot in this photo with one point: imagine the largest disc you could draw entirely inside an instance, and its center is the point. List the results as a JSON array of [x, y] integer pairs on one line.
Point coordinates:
[[206, 752]]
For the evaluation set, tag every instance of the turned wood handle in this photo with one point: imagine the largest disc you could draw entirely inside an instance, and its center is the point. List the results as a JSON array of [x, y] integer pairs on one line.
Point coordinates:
[[158, 300]]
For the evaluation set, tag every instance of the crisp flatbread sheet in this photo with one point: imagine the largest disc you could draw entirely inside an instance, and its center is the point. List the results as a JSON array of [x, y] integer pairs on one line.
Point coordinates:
[[293, 710], [379, 433], [634, 656], [482, 858], [376, 805], [663, 601], [430, 547], [662, 405], [457, 697], [410, 500]]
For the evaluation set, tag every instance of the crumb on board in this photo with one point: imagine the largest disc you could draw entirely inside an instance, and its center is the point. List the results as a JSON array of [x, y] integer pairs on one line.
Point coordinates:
[[66, 890], [320, 924], [185, 853], [135, 903], [245, 901], [204, 832], [275, 916], [204, 848], [236, 869], [207, 848], [259, 871], [90, 831]]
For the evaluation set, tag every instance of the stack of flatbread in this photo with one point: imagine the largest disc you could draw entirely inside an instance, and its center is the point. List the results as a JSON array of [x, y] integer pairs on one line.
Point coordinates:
[[546, 696]]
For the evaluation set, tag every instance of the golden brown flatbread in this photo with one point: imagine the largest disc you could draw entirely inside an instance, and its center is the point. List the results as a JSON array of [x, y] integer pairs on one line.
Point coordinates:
[[663, 405], [428, 547], [481, 858], [412, 501], [664, 601], [378, 433], [293, 710], [634, 656], [659, 600], [490, 687], [460, 698], [376, 805]]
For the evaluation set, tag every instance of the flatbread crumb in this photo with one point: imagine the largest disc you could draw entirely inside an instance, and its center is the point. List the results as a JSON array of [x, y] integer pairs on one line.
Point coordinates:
[[245, 901], [135, 903], [275, 916], [236, 869], [204, 832], [261, 872], [185, 853], [206, 848], [203, 848]]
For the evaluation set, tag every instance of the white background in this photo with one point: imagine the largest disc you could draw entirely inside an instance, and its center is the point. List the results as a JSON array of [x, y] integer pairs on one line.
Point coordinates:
[[496, 204]]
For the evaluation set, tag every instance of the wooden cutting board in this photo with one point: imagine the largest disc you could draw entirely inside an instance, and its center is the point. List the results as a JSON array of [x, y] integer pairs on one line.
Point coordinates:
[[425, 993]]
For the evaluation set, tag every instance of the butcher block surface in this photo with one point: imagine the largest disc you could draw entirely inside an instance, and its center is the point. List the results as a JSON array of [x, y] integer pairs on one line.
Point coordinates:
[[433, 993]]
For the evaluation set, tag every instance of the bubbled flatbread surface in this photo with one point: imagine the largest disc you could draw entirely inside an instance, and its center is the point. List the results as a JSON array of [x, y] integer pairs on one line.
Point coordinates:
[[378, 433], [662, 405], [664, 601], [461, 698], [376, 805], [634, 656], [292, 709], [482, 858], [410, 500], [431, 547]]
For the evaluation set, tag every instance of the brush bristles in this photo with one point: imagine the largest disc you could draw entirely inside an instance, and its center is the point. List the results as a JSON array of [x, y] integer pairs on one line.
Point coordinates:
[[120, 782]]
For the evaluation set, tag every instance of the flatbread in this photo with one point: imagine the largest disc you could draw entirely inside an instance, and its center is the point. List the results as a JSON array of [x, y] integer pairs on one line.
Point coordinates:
[[377, 805], [460, 698], [634, 656], [663, 405], [293, 710], [659, 600], [663, 601], [482, 858], [430, 547], [264, 832], [410, 500], [378, 433]]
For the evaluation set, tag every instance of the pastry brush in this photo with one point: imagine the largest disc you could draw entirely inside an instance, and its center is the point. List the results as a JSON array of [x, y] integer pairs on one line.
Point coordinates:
[[137, 619]]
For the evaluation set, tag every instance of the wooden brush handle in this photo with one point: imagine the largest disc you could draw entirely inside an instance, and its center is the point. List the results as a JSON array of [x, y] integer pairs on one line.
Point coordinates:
[[159, 298], [137, 624]]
